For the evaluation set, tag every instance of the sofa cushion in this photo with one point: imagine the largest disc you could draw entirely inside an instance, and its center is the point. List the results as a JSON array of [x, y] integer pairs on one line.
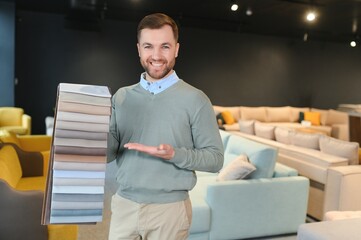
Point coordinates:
[[239, 168], [340, 148], [11, 116], [264, 130], [306, 140], [313, 117], [278, 114], [254, 113], [336, 117], [323, 114], [246, 126], [10, 169], [283, 135], [263, 157]]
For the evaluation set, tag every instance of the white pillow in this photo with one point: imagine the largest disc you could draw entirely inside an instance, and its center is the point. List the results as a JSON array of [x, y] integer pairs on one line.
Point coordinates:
[[306, 140], [340, 148], [246, 126], [283, 135], [238, 168], [264, 130]]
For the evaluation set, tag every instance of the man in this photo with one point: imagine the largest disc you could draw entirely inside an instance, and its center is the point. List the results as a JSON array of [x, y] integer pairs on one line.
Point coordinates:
[[162, 130]]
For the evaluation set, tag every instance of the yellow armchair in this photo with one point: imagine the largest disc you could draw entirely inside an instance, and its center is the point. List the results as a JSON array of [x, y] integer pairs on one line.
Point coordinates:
[[14, 119], [23, 171]]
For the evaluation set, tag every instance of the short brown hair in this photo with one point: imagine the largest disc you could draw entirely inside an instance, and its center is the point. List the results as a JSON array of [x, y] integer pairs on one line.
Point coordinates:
[[156, 21]]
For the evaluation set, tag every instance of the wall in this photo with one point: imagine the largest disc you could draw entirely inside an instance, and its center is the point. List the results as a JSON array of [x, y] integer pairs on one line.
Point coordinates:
[[7, 53], [231, 68]]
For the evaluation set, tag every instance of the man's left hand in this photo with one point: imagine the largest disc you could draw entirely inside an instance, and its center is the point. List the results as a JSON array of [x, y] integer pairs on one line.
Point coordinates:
[[164, 151]]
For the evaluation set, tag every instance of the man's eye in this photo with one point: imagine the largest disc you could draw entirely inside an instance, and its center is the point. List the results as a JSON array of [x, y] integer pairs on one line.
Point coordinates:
[[147, 47], [166, 47]]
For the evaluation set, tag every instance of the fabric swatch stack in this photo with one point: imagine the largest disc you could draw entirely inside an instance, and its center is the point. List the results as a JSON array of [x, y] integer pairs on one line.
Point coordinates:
[[76, 177]]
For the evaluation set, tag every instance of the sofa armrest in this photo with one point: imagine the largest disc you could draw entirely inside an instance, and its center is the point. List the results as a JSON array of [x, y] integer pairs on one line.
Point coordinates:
[[257, 207], [342, 189], [26, 123], [35, 143], [21, 214]]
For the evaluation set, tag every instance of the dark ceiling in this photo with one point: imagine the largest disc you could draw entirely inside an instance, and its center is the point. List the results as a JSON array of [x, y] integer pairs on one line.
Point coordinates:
[[338, 20]]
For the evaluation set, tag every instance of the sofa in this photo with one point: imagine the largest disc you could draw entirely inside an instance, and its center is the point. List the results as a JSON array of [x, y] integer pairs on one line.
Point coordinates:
[[272, 200], [14, 119], [23, 170], [329, 163], [330, 122]]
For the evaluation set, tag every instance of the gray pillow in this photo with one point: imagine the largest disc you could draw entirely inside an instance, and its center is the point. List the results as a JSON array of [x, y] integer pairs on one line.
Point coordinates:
[[238, 168]]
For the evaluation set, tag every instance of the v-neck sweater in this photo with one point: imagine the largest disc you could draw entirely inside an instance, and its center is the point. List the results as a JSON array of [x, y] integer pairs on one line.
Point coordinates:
[[181, 116]]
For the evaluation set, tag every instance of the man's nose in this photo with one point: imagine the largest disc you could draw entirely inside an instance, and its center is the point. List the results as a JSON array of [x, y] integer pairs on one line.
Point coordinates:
[[156, 53]]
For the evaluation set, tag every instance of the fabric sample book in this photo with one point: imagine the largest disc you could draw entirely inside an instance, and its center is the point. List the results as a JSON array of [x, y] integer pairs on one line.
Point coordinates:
[[76, 174]]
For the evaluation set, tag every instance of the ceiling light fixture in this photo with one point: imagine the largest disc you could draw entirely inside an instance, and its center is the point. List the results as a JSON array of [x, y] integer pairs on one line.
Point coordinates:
[[353, 43], [311, 16], [234, 7], [249, 11]]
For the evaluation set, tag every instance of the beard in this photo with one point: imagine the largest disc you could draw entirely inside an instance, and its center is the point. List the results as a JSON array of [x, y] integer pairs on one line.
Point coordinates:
[[157, 74]]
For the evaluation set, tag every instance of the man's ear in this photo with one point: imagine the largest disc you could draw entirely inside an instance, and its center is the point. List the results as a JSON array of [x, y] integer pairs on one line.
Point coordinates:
[[177, 49]]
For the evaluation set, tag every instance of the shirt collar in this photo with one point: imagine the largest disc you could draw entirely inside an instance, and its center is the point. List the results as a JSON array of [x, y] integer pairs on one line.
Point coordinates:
[[160, 85]]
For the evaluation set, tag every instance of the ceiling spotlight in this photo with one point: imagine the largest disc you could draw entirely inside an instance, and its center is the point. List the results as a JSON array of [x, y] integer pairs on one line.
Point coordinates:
[[234, 7], [249, 12], [353, 44], [311, 16]]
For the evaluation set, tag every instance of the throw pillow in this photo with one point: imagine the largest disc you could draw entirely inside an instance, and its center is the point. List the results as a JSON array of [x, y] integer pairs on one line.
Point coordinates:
[[313, 117], [239, 168], [306, 140], [283, 135], [246, 126], [228, 117], [340, 148], [301, 117], [264, 130]]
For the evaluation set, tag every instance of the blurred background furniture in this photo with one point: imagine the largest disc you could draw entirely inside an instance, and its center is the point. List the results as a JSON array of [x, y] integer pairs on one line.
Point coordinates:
[[14, 119], [23, 173]]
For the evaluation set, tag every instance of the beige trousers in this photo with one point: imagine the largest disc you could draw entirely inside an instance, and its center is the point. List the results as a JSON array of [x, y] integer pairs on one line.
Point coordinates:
[[131, 220]]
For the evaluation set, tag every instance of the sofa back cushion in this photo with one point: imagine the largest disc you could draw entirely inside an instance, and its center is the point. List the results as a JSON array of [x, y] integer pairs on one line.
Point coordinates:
[[254, 113], [306, 140], [264, 130], [263, 157], [11, 116], [10, 169], [336, 117], [225, 137], [283, 135], [349, 150], [278, 114], [246, 126]]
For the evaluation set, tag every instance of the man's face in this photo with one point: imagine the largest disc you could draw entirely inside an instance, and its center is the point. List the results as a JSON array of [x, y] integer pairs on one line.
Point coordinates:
[[157, 50]]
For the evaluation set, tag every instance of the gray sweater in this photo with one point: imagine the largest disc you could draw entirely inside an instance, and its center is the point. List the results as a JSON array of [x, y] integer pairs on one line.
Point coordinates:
[[181, 116]]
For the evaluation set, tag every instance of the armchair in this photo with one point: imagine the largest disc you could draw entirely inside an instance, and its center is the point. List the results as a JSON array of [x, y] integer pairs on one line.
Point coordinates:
[[23, 171], [14, 120]]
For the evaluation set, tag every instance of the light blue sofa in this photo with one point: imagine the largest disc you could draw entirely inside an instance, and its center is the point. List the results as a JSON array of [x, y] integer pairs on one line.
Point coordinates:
[[273, 201]]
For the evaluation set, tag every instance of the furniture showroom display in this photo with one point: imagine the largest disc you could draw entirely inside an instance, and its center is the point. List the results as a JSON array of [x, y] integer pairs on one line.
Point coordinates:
[[14, 119], [331, 164], [272, 200], [23, 172]]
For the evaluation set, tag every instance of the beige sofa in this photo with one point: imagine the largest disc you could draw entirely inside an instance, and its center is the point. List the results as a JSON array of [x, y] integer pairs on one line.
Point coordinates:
[[331, 164], [332, 122]]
